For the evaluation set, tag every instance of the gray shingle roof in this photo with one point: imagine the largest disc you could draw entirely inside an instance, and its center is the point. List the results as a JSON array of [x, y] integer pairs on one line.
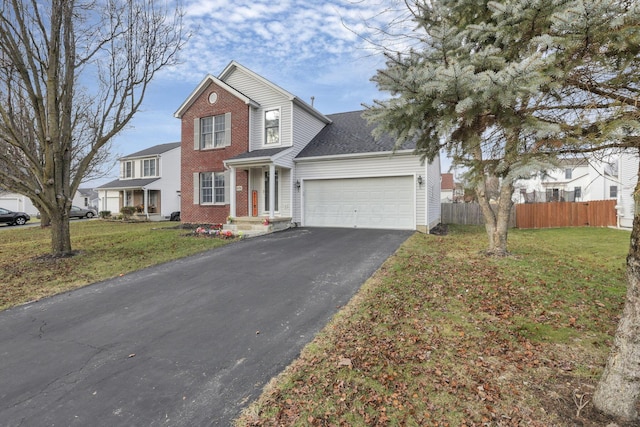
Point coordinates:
[[156, 149], [349, 133], [257, 154], [128, 183]]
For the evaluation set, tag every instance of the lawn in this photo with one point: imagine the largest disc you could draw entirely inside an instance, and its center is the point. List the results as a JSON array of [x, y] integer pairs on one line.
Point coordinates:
[[443, 336], [105, 249]]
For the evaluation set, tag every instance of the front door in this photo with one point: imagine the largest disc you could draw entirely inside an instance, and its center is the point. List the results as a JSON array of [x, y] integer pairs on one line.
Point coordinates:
[[266, 192]]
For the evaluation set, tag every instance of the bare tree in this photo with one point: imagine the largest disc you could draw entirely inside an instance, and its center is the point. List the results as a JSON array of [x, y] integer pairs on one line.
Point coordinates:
[[72, 75]]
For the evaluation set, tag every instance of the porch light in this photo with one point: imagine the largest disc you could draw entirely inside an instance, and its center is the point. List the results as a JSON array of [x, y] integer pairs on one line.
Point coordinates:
[[298, 184], [419, 179]]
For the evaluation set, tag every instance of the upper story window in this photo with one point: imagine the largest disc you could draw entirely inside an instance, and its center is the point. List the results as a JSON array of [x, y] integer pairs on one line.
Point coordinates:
[[568, 173], [272, 127], [613, 191], [128, 169], [149, 167], [212, 132]]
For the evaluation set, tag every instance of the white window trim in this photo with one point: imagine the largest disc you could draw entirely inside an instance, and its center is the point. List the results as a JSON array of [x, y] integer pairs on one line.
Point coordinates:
[[155, 168], [197, 132], [197, 189], [124, 169], [264, 127]]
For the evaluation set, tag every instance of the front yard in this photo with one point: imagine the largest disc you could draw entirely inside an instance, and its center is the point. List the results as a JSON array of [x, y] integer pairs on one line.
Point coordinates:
[[439, 336], [442, 336], [106, 249]]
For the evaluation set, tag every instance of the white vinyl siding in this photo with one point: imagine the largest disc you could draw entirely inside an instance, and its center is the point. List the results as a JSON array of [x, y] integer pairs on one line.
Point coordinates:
[[268, 98]]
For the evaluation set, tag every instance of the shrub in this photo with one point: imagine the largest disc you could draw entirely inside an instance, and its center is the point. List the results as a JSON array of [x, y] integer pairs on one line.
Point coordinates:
[[127, 211], [105, 214]]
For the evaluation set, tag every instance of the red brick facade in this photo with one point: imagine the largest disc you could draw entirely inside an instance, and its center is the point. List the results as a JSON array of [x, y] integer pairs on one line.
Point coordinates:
[[210, 160]]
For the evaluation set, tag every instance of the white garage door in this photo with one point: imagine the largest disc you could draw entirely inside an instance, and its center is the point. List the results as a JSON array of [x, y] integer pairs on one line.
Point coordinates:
[[386, 202], [11, 203]]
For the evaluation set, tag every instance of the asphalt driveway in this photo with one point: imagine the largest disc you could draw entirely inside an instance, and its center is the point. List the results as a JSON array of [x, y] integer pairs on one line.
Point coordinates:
[[186, 343]]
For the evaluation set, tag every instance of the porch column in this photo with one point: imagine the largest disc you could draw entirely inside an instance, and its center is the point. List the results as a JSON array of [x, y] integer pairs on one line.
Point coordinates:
[[272, 190], [232, 192], [145, 201]]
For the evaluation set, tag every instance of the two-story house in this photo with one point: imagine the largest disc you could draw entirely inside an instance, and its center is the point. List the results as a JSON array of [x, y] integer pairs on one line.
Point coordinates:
[[149, 181], [577, 179], [252, 149]]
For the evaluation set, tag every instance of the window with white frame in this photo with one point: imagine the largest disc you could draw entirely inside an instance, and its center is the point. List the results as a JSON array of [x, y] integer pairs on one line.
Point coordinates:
[[577, 193], [213, 132], [212, 187], [272, 127], [568, 173], [149, 167], [613, 191], [127, 169]]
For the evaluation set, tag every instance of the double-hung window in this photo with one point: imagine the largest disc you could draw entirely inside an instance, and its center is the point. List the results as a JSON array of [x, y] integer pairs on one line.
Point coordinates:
[[568, 173], [212, 187], [213, 131], [127, 169], [272, 127], [149, 167]]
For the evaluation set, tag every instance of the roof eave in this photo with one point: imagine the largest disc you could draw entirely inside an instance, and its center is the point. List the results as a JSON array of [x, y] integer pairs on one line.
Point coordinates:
[[200, 89], [354, 155]]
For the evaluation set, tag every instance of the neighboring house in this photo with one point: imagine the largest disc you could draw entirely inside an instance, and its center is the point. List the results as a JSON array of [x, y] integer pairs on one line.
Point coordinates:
[[447, 188], [149, 180], [86, 198], [252, 149], [17, 203], [628, 178], [578, 179]]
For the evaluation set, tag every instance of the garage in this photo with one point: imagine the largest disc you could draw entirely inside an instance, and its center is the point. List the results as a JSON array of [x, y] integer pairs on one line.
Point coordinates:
[[376, 202]]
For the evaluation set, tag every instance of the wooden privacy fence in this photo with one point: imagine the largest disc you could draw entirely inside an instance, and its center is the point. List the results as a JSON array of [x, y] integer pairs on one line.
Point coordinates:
[[600, 213], [468, 214]]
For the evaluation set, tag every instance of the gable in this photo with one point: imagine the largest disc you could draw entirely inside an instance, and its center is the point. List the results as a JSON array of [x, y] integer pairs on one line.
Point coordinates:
[[202, 88]]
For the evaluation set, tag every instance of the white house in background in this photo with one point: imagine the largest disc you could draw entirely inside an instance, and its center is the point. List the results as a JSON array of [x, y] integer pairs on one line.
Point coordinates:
[[86, 198], [17, 203], [628, 177], [149, 180], [578, 179]]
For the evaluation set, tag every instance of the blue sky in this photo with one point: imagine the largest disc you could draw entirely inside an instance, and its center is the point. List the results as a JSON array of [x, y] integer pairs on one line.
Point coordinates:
[[308, 48]]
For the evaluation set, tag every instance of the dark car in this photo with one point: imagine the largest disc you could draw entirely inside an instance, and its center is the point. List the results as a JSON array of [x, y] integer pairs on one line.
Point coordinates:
[[78, 212], [13, 218]]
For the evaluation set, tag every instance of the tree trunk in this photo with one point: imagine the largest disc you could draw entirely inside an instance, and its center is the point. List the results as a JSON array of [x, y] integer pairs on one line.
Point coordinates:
[[496, 222], [60, 234], [619, 387]]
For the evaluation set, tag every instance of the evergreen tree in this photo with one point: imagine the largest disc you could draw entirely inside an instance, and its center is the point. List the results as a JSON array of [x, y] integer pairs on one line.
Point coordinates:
[[499, 84], [472, 87]]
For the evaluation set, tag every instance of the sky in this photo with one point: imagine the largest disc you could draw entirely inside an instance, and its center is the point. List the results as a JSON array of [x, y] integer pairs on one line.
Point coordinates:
[[321, 49]]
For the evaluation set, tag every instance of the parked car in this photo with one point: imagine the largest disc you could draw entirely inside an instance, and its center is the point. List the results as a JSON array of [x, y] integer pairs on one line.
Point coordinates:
[[78, 212], [13, 218]]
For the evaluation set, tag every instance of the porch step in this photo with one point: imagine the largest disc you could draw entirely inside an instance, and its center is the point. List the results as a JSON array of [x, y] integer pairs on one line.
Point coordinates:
[[255, 226]]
